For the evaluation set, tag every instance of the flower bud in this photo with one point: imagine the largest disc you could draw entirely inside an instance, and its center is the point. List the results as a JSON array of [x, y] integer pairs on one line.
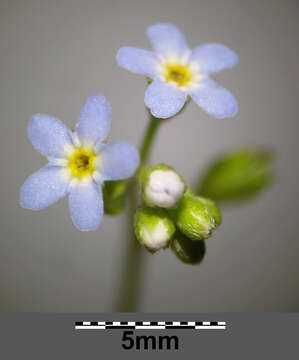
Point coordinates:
[[188, 251], [238, 175], [114, 195], [153, 228], [162, 186], [197, 217]]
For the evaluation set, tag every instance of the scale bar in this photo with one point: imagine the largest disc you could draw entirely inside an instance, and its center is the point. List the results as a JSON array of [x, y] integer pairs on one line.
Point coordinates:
[[150, 325]]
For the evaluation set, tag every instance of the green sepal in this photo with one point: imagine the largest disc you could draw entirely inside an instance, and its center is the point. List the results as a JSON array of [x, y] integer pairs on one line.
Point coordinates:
[[189, 191], [188, 251], [149, 80], [213, 208], [114, 195]]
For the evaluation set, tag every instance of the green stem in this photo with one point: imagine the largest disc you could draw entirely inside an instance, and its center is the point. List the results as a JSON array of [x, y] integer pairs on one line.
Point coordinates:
[[148, 138], [130, 286]]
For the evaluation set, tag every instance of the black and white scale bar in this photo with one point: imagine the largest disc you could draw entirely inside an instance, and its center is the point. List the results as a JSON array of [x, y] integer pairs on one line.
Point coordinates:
[[151, 325]]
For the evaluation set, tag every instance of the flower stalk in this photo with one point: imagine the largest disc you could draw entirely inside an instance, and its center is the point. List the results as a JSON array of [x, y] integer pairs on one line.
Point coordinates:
[[129, 295]]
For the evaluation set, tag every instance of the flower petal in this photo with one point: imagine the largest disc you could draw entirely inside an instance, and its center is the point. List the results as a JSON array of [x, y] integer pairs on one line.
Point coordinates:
[[164, 100], [118, 161], [214, 99], [138, 60], [48, 135], [167, 39], [94, 120], [214, 57], [86, 206], [43, 188]]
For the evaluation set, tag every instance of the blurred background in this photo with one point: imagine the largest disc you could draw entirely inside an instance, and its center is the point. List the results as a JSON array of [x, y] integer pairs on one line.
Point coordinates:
[[54, 54]]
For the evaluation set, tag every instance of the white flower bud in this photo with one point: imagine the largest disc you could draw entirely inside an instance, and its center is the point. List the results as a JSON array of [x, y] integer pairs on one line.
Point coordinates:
[[163, 187], [153, 228], [156, 238]]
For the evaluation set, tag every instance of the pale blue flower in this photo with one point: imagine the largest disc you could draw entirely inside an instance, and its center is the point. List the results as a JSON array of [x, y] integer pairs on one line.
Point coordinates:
[[78, 164], [177, 72]]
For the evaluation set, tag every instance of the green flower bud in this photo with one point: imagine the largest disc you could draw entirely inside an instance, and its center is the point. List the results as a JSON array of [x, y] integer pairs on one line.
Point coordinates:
[[188, 251], [196, 217], [114, 195], [238, 175], [153, 228], [162, 186]]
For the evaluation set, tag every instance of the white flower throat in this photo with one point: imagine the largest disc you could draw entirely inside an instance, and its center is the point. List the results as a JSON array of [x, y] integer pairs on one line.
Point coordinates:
[[81, 162], [179, 72]]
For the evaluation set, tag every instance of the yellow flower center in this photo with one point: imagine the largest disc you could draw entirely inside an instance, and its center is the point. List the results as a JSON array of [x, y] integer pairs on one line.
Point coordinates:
[[82, 162], [177, 74]]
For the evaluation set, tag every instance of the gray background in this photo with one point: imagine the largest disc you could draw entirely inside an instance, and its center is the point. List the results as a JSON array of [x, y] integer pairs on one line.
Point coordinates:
[[54, 54]]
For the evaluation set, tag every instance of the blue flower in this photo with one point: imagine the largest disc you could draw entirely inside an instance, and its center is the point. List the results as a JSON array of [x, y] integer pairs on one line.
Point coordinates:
[[78, 164], [177, 72]]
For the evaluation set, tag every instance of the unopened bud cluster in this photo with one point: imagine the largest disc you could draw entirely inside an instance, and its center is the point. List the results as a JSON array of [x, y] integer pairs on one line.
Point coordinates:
[[170, 210]]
